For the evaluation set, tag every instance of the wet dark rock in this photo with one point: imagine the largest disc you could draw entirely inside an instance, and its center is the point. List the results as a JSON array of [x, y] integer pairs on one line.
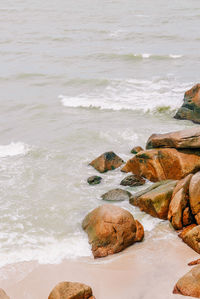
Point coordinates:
[[94, 180], [116, 195], [133, 180]]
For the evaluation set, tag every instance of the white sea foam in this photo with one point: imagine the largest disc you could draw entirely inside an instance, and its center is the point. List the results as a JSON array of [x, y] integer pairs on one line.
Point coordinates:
[[146, 55], [13, 149], [51, 252], [132, 94], [175, 56]]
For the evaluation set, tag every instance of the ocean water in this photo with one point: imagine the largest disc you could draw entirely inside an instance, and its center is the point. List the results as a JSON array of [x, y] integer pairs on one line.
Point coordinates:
[[79, 78]]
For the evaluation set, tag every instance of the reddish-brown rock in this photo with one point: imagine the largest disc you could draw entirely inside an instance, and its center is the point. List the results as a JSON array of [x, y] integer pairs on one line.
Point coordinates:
[[155, 200], [194, 193], [191, 105], [136, 149], [197, 218], [133, 180], [189, 284], [111, 229], [71, 290], [192, 238], [196, 262], [179, 203], [164, 163], [188, 138], [186, 230], [3, 295], [107, 161]]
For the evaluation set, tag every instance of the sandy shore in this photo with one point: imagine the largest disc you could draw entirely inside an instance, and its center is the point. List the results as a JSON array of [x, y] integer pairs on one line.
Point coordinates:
[[147, 270]]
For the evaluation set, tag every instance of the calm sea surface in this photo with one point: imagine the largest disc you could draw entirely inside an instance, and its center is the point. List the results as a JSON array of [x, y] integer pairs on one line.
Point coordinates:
[[78, 78]]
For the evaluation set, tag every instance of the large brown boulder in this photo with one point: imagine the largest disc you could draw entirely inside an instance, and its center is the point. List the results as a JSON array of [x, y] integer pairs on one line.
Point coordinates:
[[191, 237], [189, 138], [164, 163], [107, 161], [179, 203], [3, 295], [155, 200], [189, 284], [71, 290], [191, 105], [111, 229]]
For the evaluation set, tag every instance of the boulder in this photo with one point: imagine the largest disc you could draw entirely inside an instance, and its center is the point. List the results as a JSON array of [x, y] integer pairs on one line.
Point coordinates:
[[155, 200], [107, 161], [179, 203], [116, 195], [133, 180], [191, 105], [164, 163], [189, 138], [194, 193], [192, 238], [136, 149], [186, 230], [94, 180], [3, 295], [187, 217], [189, 284], [71, 290], [111, 229]]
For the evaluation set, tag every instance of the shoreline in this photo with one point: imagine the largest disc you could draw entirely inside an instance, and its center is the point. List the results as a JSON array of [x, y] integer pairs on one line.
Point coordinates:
[[144, 270]]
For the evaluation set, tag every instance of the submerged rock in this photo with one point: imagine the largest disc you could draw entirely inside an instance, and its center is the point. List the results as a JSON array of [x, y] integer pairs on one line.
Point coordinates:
[[111, 229], [71, 290], [136, 149], [3, 294], [189, 284], [107, 161], [164, 163], [133, 181], [191, 105], [155, 200], [116, 195], [94, 180], [189, 138]]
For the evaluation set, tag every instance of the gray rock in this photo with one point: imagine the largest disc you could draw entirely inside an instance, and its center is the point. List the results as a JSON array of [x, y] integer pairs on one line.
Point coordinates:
[[116, 195]]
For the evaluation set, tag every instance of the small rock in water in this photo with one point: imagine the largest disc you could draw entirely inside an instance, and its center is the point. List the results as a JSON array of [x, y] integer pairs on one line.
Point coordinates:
[[116, 195], [71, 290], [136, 149], [94, 180], [133, 180], [107, 161]]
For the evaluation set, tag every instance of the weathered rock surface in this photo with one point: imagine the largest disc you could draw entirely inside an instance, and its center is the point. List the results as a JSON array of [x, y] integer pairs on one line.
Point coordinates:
[[187, 217], [194, 193], [136, 149], [179, 203], [196, 262], [192, 238], [3, 295], [133, 181], [191, 105], [107, 161], [189, 284], [111, 229], [189, 138], [164, 163], [116, 195], [155, 200], [71, 290], [94, 180]]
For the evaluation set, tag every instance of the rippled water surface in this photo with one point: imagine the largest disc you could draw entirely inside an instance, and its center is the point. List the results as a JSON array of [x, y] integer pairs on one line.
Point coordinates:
[[78, 78]]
